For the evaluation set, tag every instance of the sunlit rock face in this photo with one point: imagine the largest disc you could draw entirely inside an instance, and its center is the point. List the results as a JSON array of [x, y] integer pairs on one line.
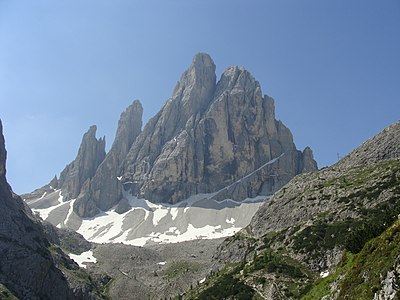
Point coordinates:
[[215, 137]]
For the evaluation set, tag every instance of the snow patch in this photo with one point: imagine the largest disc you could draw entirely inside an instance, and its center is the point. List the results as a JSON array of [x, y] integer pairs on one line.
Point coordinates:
[[70, 211], [45, 212], [324, 274], [230, 221], [83, 258], [158, 214]]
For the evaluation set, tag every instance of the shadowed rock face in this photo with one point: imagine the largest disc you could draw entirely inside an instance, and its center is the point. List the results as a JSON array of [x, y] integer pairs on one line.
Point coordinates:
[[26, 266], [104, 189], [91, 153], [210, 135]]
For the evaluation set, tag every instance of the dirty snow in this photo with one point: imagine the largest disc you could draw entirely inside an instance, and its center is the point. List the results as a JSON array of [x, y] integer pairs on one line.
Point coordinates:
[[83, 258]]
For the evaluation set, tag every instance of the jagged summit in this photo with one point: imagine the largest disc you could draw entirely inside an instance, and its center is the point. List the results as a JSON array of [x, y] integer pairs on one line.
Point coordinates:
[[207, 136], [104, 190], [90, 154], [219, 137], [202, 60]]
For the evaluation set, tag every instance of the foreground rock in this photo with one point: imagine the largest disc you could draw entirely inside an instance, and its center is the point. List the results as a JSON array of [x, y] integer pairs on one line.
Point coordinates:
[[322, 236], [30, 266]]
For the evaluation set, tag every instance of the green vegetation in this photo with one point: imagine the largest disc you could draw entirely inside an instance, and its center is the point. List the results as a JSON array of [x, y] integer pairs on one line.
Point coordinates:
[[5, 293], [374, 261], [272, 262], [366, 185], [227, 287], [224, 284], [75, 273], [369, 238], [359, 276], [180, 268]]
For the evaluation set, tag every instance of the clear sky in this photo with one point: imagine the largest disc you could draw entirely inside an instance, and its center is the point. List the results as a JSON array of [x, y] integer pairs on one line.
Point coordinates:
[[333, 68]]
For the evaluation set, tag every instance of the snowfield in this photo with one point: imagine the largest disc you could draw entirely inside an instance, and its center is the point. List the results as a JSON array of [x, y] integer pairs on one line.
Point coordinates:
[[83, 258], [198, 217]]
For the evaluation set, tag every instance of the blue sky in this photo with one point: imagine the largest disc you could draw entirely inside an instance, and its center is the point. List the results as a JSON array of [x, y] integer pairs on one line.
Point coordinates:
[[333, 68]]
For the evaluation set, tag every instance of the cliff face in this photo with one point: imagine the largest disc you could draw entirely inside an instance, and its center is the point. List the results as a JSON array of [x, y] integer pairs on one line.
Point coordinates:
[[104, 190], [209, 136], [75, 175], [27, 267]]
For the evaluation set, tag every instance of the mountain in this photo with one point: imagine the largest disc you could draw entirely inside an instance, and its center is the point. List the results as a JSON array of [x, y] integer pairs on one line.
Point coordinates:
[[104, 190], [210, 142], [330, 234], [208, 136], [30, 266], [79, 172]]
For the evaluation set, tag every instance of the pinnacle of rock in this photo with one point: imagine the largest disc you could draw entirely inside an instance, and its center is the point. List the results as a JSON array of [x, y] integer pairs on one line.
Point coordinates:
[[90, 154]]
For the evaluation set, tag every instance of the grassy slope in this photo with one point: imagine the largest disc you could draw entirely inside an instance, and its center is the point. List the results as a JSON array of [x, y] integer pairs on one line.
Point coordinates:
[[370, 247], [359, 275]]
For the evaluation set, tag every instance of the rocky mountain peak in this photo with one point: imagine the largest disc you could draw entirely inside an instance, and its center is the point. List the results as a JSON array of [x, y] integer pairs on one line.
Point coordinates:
[[309, 163], [196, 86], [129, 127], [202, 61], [90, 154], [208, 136], [382, 146], [104, 189]]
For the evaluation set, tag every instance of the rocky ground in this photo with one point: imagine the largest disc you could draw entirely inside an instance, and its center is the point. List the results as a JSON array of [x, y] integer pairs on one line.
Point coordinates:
[[155, 272]]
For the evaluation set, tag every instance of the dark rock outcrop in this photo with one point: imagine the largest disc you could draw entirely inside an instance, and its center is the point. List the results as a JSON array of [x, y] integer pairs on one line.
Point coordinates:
[[67, 239], [27, 267], [210, 136], [90, 154]]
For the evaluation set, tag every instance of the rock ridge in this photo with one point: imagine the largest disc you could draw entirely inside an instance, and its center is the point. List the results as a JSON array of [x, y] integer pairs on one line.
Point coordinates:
[[27, 266], [104, 190], [231, 131], [205, 139], [90, 154]]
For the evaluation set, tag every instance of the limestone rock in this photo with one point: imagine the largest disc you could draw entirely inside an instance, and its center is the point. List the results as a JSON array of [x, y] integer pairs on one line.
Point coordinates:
[[104, 190], [42, 191], [383, 146], [209, 136], [123, 206], [308, 162], [91, 153]]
